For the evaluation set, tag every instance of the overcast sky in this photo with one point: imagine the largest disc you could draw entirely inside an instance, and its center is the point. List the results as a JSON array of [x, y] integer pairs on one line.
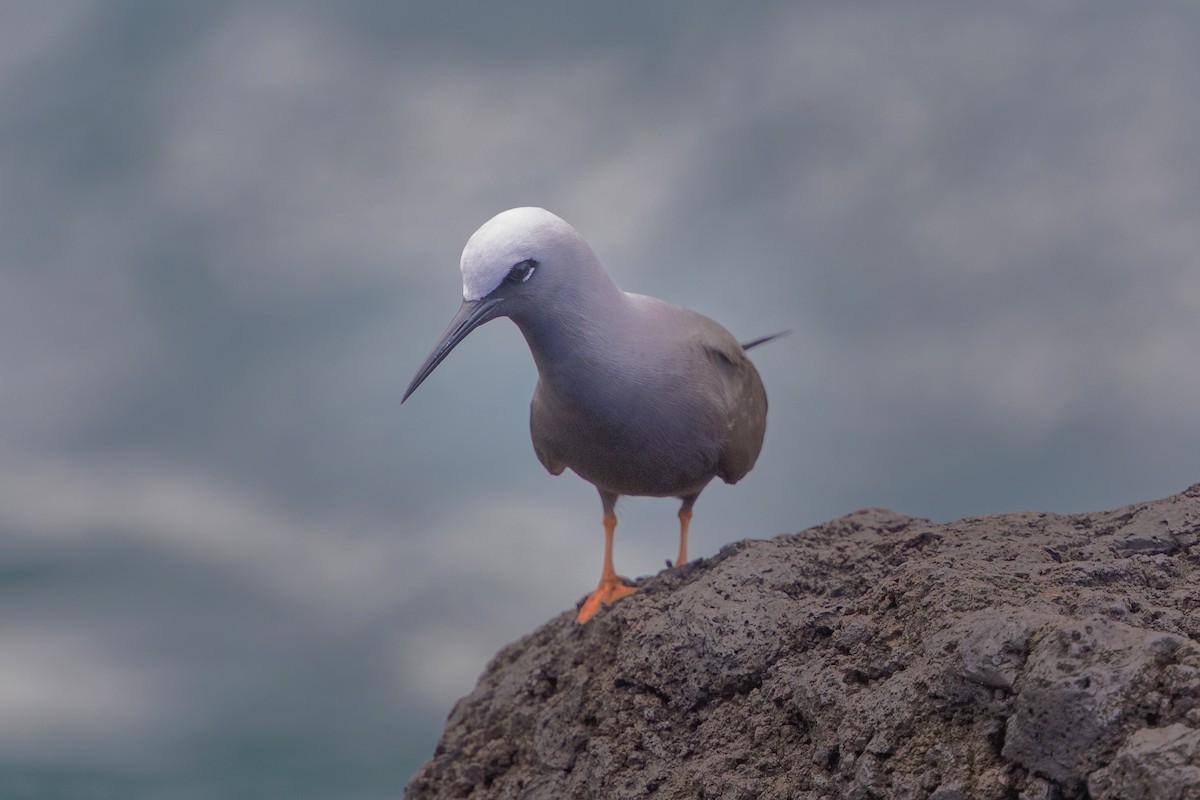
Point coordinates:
[[231, 565]]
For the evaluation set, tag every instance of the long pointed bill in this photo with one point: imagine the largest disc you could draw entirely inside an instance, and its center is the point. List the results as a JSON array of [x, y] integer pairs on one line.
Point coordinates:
[[470, 316]]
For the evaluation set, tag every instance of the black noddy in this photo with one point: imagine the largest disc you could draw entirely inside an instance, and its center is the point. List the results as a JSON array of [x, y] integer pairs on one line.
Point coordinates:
[[636, 396]]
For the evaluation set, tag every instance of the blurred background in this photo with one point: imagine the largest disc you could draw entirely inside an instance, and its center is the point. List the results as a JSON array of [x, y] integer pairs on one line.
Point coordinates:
[[231, 565]]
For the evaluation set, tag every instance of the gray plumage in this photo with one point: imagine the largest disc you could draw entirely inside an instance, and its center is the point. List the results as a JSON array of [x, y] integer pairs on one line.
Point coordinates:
[[661, 407], [637, 396]]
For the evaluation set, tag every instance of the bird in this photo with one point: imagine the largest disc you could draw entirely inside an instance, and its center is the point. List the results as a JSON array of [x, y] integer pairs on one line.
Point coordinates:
[[635, 395]]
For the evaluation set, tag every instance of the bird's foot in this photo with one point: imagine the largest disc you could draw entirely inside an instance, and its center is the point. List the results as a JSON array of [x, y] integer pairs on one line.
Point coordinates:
[[608, 592]]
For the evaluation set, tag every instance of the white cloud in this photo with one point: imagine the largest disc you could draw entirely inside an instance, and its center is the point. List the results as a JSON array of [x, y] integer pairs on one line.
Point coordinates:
[[73, 332], [326, 162], [66, 692], [335, 566], [467, 583], [309, 561], [32, 31], [1035, 188]]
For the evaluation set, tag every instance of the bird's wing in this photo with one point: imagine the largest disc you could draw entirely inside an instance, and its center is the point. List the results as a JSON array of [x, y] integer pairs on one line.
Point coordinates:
[[745, 402], [539, 432]]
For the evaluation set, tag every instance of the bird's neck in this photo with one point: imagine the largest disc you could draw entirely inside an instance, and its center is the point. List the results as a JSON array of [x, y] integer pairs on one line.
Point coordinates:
[[577, 338]]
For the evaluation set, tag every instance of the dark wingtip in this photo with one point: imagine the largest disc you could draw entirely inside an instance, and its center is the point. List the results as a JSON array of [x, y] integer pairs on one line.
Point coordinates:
[[763, 340]]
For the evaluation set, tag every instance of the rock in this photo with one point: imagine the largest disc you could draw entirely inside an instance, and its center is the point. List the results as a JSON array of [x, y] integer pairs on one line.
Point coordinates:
[[1086, 683], [878, 655], [1153, 762]]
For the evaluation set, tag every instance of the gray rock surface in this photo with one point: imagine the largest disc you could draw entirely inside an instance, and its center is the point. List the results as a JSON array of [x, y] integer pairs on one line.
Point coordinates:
[[1020, 656]]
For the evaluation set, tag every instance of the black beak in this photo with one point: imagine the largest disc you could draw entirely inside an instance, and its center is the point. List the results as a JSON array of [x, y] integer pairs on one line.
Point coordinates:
[[470, 316]]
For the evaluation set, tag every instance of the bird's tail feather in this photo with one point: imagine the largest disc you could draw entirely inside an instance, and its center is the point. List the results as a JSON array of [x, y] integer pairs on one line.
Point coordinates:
[[763, 340]]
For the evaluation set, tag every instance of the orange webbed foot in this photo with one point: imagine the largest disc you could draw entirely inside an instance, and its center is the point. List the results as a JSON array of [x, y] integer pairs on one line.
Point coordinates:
[[608, 592]]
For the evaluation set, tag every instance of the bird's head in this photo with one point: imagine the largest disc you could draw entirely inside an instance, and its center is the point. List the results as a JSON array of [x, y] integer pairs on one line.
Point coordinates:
[[520, 260]]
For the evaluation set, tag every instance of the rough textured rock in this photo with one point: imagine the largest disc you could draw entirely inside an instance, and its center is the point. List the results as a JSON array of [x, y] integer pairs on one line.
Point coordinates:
[[1021, 656]]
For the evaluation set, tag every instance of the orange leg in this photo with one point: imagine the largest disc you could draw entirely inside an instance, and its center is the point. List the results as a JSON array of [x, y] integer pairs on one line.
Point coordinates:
[[612, 586], [685, 517]]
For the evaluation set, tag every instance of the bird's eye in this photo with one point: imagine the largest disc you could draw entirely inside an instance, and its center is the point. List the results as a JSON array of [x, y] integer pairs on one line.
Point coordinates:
[[521, 271]]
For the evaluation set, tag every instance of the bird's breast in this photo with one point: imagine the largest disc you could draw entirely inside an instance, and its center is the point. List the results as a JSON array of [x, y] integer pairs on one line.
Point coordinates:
[[642, 432]]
